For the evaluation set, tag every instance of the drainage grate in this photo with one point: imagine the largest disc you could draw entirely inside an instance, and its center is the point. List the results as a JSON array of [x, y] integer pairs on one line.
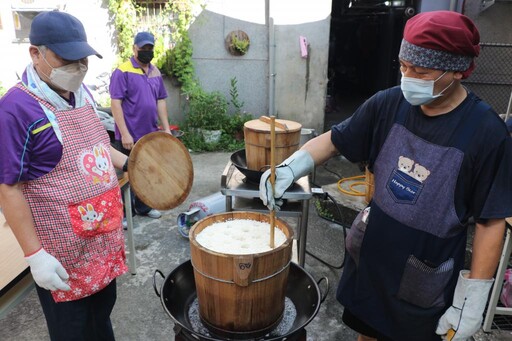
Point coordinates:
[[502, 323]]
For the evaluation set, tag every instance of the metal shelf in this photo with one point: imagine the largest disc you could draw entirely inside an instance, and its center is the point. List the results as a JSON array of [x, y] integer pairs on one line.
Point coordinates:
[[243, 195]]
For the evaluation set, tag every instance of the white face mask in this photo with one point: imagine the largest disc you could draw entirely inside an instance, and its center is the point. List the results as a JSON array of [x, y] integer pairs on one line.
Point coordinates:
[[68, 77], [419, 91]]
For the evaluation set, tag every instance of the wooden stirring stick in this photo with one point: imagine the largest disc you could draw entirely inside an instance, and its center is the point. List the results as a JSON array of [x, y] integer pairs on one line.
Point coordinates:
[[272, 175]]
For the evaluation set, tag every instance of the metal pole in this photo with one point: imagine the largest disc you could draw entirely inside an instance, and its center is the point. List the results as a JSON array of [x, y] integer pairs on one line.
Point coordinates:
[[272, 66], [509, 106], [453, 5]]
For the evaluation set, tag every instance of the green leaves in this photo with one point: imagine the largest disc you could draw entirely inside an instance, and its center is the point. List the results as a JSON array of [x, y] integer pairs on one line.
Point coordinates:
[[209, 110], [3, 90], [123, 14], [240, 45]]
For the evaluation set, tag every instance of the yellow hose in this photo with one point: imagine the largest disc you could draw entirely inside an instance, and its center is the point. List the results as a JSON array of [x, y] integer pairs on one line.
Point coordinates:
[[352, 190]]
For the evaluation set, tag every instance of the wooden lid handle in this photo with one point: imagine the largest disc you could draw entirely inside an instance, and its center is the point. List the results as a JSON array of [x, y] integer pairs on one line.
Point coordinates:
[[266, 119]]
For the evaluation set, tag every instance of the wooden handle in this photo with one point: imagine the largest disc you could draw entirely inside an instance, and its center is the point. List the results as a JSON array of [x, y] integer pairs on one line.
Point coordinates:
[[272, 175], [277, 124], [450, 334]]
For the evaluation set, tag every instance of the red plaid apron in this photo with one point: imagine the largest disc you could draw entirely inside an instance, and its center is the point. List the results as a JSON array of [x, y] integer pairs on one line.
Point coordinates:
[[77, 207]]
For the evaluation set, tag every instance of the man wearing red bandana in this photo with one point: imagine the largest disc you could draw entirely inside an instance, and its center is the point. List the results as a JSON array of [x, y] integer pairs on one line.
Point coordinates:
[[441, 157]]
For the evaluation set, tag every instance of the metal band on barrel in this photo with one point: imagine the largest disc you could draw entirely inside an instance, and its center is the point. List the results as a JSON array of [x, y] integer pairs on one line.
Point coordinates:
[[232, 282]]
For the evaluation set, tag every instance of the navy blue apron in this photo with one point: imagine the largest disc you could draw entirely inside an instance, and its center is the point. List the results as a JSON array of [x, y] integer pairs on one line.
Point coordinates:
[[405, 256]]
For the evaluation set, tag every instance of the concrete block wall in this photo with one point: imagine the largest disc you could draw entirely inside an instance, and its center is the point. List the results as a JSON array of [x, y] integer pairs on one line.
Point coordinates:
[[272, 77]]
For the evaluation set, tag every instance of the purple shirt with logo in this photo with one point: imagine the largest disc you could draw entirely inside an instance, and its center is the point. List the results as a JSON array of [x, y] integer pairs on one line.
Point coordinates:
[[139, 93], [29, 147]]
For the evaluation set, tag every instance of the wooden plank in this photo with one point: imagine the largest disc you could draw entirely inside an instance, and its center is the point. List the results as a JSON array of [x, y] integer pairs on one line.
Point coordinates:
[[12, 261], [352, 202], [16, 294]]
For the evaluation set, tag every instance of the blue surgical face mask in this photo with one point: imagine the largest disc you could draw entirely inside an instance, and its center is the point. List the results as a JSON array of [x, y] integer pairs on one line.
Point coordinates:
[[420, 91]]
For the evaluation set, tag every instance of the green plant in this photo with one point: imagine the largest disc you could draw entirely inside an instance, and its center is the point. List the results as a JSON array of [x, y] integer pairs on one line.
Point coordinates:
[[195, 142], [124, 17], [240, 45], [233, 92], [182, 67], [161, 53], [3, 90], [207, 110], [169, 24], [173, 56], [322, 211], [178, 60], [164, 63], [235, 124]]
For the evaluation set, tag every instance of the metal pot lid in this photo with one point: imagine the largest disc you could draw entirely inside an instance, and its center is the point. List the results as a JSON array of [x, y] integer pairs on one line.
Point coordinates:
[[160, 170]]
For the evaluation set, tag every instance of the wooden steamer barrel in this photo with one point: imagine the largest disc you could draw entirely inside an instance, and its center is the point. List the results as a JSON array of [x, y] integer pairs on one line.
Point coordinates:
[[241, 296], [257, 142]]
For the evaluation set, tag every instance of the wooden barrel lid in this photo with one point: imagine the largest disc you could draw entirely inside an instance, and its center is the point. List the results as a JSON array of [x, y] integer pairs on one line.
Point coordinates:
[[258, 125], [160, 170]]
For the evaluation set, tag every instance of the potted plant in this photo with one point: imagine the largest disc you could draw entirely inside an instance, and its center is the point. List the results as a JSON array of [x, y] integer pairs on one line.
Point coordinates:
[[235, 125], [207, 114], [237, 43]]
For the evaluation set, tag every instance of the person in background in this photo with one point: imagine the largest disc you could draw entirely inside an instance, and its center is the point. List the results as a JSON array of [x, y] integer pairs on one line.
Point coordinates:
[[138, 102], [440, 156], [58, 187]]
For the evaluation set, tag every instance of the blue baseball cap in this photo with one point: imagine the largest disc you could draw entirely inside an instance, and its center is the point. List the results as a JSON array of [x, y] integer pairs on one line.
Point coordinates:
[[62, 33], [144, 38]]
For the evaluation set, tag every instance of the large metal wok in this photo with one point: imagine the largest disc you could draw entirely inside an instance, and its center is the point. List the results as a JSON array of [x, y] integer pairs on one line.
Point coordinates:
[[239, 159], [178, 292]]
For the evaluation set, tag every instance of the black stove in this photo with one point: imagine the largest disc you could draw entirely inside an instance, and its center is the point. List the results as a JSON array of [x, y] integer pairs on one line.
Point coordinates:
[[178, 296], [182, 334]]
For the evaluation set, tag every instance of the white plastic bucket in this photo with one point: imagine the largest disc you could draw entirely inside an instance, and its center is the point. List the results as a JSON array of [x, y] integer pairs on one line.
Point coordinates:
[[211, 136], [214, 203], [306, 134]]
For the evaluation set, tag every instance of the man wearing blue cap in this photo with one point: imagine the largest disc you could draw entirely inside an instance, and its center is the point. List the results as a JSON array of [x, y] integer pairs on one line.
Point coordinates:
[[58, 187], [138, 102]]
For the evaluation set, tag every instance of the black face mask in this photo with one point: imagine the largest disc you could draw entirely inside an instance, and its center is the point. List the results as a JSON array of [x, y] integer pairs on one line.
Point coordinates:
[[145, 56]]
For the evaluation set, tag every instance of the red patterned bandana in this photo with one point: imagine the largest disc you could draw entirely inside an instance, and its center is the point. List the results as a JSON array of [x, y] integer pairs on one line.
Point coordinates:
[[441, 40]]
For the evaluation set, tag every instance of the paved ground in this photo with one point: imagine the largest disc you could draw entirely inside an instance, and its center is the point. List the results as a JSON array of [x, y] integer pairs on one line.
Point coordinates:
[[139, 315]]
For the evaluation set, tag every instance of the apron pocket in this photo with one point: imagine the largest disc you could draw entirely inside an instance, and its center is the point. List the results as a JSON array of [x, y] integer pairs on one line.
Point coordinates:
[[423, 285], [100, 214], [403, 188], [356, 233]]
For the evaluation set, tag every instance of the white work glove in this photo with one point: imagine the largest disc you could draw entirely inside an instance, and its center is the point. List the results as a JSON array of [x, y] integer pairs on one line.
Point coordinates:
[[465, 314], [47, 271], [290, 170]]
